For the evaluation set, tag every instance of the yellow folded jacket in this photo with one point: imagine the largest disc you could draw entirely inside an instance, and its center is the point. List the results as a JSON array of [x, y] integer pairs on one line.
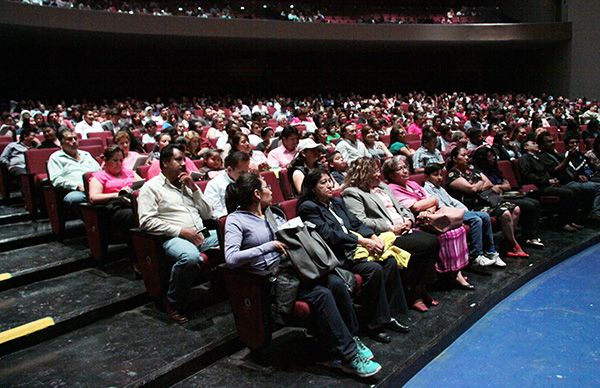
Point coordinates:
[[390, 250]]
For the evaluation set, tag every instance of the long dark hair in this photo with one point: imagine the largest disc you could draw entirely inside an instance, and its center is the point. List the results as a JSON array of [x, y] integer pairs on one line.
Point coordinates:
[[239, 195], [310, 182]]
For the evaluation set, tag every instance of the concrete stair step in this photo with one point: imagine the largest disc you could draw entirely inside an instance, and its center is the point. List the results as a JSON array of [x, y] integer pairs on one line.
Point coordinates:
[[42, 310], [134, 348], [38, 262]]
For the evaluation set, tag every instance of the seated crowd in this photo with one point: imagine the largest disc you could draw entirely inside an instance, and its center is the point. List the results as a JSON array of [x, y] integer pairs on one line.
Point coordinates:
[[294, 12], [404, 190]]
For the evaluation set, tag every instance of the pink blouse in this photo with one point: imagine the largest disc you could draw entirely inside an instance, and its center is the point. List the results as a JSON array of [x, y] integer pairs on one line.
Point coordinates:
[[114, 184], [408, 196]]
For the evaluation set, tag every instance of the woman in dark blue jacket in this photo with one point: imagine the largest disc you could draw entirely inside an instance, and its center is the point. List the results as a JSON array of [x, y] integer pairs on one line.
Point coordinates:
[[382, 285]]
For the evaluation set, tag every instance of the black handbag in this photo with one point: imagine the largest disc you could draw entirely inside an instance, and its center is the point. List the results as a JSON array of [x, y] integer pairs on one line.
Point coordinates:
[[490, 197], [308, 252]]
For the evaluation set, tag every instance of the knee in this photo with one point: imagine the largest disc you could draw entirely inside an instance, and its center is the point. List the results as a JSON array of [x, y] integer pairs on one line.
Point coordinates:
[[506, 216], [476, 222], [336, 284], [516, 211]]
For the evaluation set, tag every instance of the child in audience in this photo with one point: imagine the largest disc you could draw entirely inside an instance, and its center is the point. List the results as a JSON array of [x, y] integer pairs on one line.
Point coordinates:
[[481, 239], [337, 167], [213, 165]]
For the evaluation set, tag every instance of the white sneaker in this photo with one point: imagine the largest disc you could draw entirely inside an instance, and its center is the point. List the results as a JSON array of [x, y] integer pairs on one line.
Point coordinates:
[[483, 261], [495, 256]]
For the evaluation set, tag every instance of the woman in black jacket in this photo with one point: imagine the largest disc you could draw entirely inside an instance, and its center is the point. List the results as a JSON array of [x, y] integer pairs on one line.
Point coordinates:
[[382, 285]]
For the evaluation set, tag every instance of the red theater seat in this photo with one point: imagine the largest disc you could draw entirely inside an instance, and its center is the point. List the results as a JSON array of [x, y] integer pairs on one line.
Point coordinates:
[[105, 136], [250, 299]]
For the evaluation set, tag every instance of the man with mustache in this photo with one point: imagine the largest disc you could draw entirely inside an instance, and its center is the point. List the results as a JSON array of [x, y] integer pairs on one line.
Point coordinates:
[[171, 204]]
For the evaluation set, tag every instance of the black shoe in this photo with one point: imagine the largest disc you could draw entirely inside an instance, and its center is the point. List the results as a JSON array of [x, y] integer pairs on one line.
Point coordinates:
[[396, 326], [381, 337], [174, 314]]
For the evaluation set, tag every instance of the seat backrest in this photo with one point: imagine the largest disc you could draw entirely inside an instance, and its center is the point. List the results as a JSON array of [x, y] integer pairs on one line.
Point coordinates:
[[506, 169], [290, 208], [92, 141], [222, 222], [413, 144], [286, 187], [94, 150], [142, 171], [35, 160], [6, 139], [148, 147], [104, 136], [202, 185], [412, 137], [86, 183], [199, 163], [271, 179], [419, 178], [385, 139], [559, 146]]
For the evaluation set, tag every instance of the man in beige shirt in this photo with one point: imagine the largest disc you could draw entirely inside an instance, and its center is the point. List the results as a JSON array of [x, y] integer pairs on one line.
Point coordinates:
[[172, 204]]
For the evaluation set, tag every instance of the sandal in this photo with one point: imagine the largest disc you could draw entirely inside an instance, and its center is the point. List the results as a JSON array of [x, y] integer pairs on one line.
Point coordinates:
[[569, 228], [420, 306], [535, 242], [517, 252]]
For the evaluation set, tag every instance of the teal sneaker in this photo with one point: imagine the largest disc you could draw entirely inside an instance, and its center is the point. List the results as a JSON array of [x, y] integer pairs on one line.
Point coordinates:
[[363, 350], [361, 367]]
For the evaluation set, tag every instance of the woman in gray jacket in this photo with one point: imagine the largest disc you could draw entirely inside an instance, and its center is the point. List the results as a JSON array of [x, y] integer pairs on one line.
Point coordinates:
[[372, 202]]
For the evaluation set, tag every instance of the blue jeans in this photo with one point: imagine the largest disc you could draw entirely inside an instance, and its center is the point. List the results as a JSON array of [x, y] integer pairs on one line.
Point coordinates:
[[73, 199], [587, 189], [481, 234], [336, 320], [186, 269]]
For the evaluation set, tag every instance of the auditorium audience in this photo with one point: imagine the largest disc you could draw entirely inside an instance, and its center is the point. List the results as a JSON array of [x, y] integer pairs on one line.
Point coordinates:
[[282, 156], [482, 250], [13, 156], [372, 202], [454, 252], [172, 204], [486, 161], [249, 243], [307, 158], [473, 188], [67, 166], [382, 287], [350, 146], [236, 163]]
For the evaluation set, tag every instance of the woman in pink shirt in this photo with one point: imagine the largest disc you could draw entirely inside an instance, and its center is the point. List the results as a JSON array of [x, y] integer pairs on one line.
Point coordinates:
[[104, 188], [454, 251]]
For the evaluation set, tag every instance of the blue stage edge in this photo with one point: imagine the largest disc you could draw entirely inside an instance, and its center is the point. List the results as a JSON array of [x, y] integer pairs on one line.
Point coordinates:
[[545, 334]]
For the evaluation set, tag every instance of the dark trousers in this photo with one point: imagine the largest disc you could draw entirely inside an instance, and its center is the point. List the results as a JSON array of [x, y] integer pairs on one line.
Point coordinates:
[[424, 249], [530, 216], [382, 290], [335, 317], [567, 208]]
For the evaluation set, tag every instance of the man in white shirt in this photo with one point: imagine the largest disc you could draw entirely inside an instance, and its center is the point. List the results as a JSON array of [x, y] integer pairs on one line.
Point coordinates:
[[88, 124], [236, 164], [172, 204], [67, 166], [350, 147]]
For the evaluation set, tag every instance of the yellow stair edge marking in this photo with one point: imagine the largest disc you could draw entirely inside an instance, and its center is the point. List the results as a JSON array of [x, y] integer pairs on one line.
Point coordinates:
[[5, 276], [26, 329]]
